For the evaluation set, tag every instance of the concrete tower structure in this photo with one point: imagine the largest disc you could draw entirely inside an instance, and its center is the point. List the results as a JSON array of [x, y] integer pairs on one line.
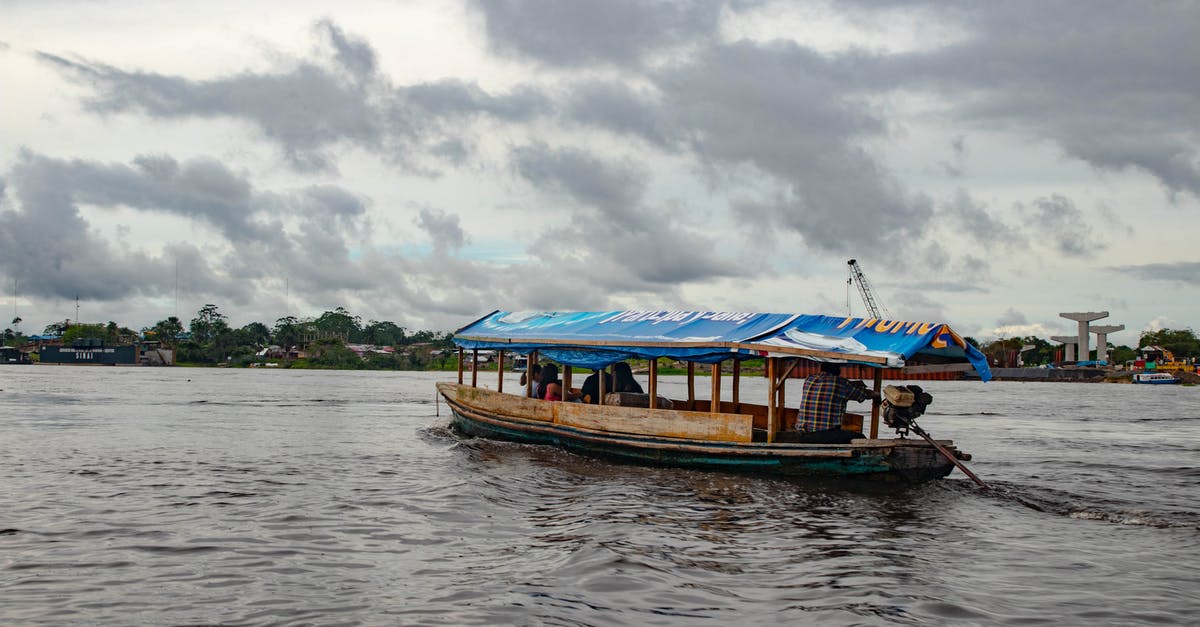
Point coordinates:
[[1102, 338], [1069, 342], [1083, 318]]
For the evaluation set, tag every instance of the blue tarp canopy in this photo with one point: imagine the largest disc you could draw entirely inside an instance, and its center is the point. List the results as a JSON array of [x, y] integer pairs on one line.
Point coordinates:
[[596, 339], [895, 342]]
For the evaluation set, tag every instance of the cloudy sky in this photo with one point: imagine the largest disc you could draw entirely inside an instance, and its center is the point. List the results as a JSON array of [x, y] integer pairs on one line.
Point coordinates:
[[989, 164]]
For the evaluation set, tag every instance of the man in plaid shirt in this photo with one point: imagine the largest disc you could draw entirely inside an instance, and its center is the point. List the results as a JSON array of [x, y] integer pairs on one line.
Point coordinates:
[[824, 402]]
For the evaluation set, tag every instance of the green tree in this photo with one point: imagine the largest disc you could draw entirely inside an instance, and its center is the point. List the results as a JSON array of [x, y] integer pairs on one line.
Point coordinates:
[[211, 335], [1122, 354], [254, 334], [332, 353], [383, 333], [167, 331], [86, 332], [207, 324], [287, 332], [1042, 352], [384, 361], [423, 337], [341, 323], [1182, 342], [1003, 352]]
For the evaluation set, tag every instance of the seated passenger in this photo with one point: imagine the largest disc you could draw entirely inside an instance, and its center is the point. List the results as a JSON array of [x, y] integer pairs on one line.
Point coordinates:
[[551, 388], [624, 381], [535, 373], [824, 404], [591, 386]]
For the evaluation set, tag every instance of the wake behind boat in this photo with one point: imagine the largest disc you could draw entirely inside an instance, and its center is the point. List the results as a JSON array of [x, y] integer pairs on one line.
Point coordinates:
[[710, 433]]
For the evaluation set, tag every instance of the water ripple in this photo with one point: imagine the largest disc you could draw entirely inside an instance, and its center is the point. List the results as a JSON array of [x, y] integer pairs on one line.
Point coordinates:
[[247, 498]]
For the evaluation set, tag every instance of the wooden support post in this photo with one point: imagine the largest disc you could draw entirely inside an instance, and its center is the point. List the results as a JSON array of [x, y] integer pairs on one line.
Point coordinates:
[[691, 386], [781, 389], [653, 385], [787, 372], [876, 403], [460, 365], [716, 388], [737, 385], [602, 389], [474, 367], [500, 370], [566, 381], [528, 375], [772, 417]]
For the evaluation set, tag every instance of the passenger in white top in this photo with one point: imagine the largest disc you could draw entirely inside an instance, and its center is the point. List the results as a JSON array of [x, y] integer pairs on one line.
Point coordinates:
[[535, 371]]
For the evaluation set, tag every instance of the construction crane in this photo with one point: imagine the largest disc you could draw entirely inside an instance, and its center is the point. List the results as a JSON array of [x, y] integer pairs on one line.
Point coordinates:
[[864, 288]]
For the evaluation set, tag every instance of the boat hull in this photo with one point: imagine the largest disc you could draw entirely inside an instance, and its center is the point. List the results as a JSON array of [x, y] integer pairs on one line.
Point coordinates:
[[884, 460]]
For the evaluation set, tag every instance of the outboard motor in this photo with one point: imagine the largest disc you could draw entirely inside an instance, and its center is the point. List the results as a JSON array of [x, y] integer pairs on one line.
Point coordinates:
[[902, 405]]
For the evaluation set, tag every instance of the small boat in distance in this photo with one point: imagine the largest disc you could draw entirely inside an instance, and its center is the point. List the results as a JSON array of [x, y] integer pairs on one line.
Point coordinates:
[[712, 433], [1154, 378]]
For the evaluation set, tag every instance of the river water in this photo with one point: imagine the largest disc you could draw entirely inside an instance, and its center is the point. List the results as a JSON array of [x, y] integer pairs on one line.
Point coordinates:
[[247, 497]]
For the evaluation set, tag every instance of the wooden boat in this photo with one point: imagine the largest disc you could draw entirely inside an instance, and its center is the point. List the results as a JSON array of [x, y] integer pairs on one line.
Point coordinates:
[[711, 433]]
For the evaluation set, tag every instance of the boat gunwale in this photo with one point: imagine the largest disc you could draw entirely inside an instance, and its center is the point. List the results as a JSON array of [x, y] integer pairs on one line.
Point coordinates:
[[748, 449]]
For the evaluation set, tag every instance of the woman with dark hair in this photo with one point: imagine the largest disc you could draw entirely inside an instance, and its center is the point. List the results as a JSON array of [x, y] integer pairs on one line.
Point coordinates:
[[551, 388], [535, 374], [624, 381]]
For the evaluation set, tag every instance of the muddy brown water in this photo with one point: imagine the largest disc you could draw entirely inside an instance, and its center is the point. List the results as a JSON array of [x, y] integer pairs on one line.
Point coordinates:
[[184, 496]]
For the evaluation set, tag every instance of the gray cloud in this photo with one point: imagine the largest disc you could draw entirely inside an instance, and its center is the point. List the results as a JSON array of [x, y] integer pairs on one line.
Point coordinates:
[[617, 107], [314, 106], [443, 228], [614, 189], [582, 33], [49, 249], [49, 244], [307, 110], [1083, 78], [1064, 225], [1103, 80], [352, 53], [934, 269], [450, 97], [313, 238], [203, 189], [1011, 317], [794, 125], [976, 221], [780, 110], [614, 238], [1185, 272], [917, 305], [955, 167]]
